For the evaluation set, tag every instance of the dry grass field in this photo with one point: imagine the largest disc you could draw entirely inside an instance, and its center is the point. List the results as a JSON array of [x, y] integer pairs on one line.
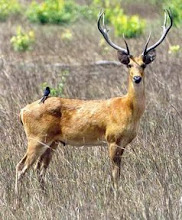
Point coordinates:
[[78, 180]]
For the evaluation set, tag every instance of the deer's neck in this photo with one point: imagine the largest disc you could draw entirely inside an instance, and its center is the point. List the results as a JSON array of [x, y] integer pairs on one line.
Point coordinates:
[[136, 97]]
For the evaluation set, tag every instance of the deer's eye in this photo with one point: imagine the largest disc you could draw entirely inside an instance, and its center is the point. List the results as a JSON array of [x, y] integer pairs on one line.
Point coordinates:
[[129, 65], [143, 65]]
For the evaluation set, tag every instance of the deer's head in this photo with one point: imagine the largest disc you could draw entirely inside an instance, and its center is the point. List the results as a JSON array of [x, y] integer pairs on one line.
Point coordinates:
[[136, 65]]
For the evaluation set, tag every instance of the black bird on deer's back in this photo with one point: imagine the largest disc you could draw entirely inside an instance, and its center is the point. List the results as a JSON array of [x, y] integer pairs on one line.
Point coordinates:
[[46, 94]]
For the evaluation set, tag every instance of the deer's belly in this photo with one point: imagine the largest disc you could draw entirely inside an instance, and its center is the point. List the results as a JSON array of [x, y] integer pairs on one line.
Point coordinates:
[[88, 135]]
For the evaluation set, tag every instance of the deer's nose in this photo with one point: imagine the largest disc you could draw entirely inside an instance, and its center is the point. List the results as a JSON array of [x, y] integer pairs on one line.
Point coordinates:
[[137, 79]]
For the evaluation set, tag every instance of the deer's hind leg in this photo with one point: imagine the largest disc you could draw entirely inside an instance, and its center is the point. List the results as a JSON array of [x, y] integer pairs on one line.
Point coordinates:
[[43, 163], [35, 149]]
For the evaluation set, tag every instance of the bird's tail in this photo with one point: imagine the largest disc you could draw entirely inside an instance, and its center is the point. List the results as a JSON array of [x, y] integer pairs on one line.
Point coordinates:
[[43, 99]]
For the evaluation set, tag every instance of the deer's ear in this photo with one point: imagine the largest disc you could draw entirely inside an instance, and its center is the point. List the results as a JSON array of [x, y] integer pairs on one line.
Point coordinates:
[[149, 57], [123, 57]]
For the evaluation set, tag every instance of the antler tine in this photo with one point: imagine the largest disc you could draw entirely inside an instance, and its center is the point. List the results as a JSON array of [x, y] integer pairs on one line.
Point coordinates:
[[165, 19], [104, 31], [146, 45], [164, 33], [127, 48]]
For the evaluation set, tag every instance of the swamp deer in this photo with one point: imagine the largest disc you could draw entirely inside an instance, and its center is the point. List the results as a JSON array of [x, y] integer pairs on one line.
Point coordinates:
[[89, 122]]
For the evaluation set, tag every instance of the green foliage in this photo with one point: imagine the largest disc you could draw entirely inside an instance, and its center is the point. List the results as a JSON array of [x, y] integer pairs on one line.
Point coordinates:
[[176, 9], [8, 7], [173, 49], [107, 3], [129, 26], [22, 41], [66, 35], [58, 91], [52, 11], [91, 11], [88, 12], [60, 88]]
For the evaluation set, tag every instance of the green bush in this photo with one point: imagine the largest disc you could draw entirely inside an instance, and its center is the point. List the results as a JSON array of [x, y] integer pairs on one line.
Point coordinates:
[[8, 7], [174, 49], [107, 3], [52, 11], [59, 90], [130, 26], [91, 10], [66, 35], [88, 12], [176, 9], [23, 41]]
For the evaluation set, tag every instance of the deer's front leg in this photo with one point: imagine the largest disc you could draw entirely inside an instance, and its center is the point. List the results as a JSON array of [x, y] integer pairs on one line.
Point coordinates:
[[115, 153]]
